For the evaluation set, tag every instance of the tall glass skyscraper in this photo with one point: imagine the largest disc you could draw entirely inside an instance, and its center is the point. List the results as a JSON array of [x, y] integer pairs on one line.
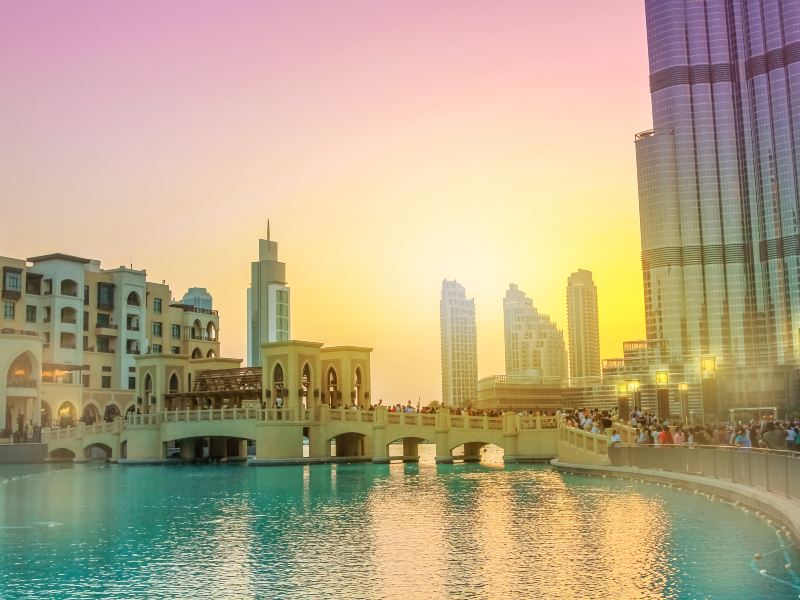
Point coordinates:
[[718, 182]]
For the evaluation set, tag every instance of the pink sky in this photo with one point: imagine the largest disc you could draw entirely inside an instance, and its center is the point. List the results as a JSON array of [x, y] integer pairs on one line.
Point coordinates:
[[391, 144]]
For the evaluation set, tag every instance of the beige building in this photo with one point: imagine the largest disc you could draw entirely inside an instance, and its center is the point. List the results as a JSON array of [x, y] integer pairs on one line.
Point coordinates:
[[534, 345], [459, 345], [70, 332], [584, 329], [520, 393]]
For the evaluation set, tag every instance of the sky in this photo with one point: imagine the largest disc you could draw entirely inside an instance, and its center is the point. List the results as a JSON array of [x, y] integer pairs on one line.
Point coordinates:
[[391, 145]]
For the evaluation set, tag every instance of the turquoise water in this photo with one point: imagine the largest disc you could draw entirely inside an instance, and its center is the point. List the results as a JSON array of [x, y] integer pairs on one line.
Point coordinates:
[[373, 531]]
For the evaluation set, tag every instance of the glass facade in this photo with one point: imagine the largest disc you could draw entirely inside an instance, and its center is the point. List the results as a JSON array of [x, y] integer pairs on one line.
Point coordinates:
[[718, 182], [459, 345]]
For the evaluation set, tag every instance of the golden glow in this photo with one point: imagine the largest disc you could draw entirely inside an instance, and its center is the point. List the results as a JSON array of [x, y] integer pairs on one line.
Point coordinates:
[[683, 387], [662, 377], [633, 386], [708, 365], [622, 388]]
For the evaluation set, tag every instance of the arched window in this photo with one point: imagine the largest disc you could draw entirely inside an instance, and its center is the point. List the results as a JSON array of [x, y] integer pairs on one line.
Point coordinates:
[[332, 382], [305, 385], [197, 353], [69, 287], [66, 415], [133, 299], [211, 332], [211, 354], [174, 383], [69, 315]]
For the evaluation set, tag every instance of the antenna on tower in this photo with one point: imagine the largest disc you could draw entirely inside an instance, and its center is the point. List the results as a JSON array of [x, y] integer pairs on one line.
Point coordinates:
[[267, 229]]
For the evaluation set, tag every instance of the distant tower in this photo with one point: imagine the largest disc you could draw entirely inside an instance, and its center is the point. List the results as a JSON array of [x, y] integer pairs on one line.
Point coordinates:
[[267, 301], [584, 328], [459, 346], [198, 297], [534, 344]]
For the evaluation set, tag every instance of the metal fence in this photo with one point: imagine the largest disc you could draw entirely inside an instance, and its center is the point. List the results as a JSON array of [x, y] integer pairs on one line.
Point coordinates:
[[776, 471]]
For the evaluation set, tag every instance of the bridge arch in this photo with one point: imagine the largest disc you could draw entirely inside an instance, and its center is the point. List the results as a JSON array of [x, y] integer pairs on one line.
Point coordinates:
[[350, 444], [98, 451], [212, 448], [410, 448], [473, 451], [62, 454]]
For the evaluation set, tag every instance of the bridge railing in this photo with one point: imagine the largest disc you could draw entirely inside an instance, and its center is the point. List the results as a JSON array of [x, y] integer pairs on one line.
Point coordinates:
[[593, 444], [80, 430], [776, 471]]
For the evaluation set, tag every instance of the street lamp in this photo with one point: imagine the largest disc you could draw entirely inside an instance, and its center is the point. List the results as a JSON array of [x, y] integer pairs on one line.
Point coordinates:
[[662, 394], [683, 389], [708, 374], [633, 389]]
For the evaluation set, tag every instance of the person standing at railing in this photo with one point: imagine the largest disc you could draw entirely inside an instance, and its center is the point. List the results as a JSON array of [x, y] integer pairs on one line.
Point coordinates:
[[791, 439], [615, 437], [774, 438], [679, 437], [742, 441]]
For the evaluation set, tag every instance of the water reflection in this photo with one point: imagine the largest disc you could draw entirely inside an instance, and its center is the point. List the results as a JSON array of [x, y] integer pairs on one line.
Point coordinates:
[[366, 531]]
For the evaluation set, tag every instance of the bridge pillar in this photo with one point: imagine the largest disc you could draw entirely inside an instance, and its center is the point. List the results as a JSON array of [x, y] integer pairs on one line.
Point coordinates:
[[509, 448], [278, 443], [410, 450], [318, 444], [144, 445], [443, 454], [217, 448], [188, 449], [380, 452]]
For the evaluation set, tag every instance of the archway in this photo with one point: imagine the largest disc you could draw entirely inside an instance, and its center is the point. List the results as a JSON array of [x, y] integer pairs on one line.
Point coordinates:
[[90, 414], [197, 353], [111, 412], [62, 455], [46, 415], [174, 384], [473, 452], [133, 299], [211, 354], [349, 444], [98, 452], [277, 385], [208, 448], [405, 449], [332, 391], [357, 388], [305, 385], [69, 287], [21, 373], [211, 332], [67, 415], [147, 391], [197, 330]]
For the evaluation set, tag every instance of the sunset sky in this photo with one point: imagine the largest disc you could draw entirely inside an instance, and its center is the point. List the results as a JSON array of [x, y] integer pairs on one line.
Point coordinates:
[[391, 145]]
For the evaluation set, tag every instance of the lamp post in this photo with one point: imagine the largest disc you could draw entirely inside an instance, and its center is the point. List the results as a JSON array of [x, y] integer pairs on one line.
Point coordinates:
[[623, 401], [683, 389], [708, 374], [662, 394]]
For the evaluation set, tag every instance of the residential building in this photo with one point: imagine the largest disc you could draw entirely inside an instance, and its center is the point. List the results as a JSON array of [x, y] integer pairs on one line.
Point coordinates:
[[534, 346], [268, 306], [71, 332], [584, 329], [719, 194], [459, 345]]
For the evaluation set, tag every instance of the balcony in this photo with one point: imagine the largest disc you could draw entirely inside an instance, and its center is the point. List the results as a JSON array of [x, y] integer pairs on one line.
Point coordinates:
[[21, 382], [68, 346], [105, 329], [69, 320], [200, 337]]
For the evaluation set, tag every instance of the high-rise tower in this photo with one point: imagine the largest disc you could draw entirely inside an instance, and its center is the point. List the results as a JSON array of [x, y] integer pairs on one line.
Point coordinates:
[[267, 301], [584, 329], [534, 344], [459, 345], [719, 182]]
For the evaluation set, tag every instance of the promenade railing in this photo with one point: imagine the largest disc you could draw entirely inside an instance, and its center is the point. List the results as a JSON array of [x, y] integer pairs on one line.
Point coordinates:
[[776, 471]]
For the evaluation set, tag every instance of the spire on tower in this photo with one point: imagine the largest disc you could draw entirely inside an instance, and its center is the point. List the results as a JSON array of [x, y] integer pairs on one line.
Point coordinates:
[[267, 229]]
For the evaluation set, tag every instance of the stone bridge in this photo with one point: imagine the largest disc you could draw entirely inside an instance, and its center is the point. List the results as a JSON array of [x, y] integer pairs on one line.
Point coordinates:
[[281, 436]]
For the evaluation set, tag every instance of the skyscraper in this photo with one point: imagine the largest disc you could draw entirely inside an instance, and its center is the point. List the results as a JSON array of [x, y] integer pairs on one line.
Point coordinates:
[[267, 301], [584, 328], [534, 344], [459, 345], [718, 182]]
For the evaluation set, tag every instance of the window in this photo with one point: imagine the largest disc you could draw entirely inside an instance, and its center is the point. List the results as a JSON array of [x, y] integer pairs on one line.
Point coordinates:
[[102, 344], [12, 280], [176, 333], [85, 321], [155, 348], [30, 314], [157, 328], [105, 295], [103, 320], [86, 381], [176, 349], [105, 382], [85, 294], [131, 383], [47, 288], [8, 310], [106, 369], [85, 343], [46, 314], [156, 305], [33, 284]]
